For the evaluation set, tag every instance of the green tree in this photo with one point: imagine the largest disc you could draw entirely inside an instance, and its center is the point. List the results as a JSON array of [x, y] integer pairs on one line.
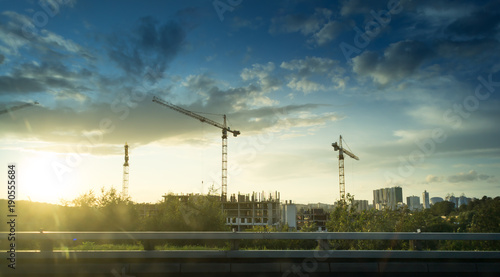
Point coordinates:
[[443, 208]]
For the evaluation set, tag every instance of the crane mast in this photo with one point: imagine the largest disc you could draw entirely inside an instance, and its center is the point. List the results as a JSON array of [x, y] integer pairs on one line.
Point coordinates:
[[222, 126], [338, 147]]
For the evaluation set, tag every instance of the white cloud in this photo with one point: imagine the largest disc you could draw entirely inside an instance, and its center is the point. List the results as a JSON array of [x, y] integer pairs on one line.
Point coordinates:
[[400, 60], [433, 179], [470, 176], [263, 75], [313, 67], [304, 85], [328, 32]]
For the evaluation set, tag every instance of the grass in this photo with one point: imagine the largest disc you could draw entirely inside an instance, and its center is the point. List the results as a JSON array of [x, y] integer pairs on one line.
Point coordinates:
[[90, 245]]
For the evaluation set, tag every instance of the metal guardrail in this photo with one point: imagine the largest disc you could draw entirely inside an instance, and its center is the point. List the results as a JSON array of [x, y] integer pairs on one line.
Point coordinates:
[[49, 236], [284, 263]]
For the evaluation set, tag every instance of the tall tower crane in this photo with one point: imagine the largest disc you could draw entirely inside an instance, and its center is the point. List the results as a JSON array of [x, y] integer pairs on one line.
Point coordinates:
[[225, 130], [18, 107], [125, 174], [338, 147]]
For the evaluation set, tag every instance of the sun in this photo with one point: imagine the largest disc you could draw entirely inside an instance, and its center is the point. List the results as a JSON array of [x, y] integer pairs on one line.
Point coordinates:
[[38, 182]]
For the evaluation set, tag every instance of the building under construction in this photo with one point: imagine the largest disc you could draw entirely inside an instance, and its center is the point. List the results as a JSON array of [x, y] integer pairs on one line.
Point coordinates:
[[246, 211], [318, 217]]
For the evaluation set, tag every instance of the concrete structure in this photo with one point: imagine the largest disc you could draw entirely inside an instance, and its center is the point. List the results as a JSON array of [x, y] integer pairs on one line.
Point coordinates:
[[435, 200], [451, 198], [146, 209], [316, 216], [425, 200], [387, 198], [413, 203], [361, 205], [289, 214], [462, 200], [246, 211]]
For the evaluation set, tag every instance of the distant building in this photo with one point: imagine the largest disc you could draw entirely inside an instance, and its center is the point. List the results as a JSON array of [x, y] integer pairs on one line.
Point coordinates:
[[435, 200], [387, 198], [451, 198], [326, 207], [462, 200], [289, 214], [245, 211], [425, 200], [316, 216], [361, 205], [146, 209], [413, 203]]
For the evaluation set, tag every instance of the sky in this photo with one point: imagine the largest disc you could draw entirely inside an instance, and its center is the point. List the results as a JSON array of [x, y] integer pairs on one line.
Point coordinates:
[[412, 87]]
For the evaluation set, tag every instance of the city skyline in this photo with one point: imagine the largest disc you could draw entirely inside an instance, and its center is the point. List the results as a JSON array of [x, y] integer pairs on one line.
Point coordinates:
[[412, 87]]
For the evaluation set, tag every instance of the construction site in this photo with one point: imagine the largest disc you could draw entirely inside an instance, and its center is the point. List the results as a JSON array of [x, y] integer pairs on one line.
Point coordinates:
[[246, 211]]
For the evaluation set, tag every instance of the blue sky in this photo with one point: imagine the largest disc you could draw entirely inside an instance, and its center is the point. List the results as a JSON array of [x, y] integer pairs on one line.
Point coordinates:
[[412, 86]]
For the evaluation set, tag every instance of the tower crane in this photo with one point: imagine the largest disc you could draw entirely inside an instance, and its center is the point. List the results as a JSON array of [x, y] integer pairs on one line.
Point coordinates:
[[18, 107], [225, 130], [342, 151]]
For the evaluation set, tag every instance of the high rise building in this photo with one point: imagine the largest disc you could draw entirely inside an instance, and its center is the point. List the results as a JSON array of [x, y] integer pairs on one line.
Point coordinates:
[[451, 198], [425, 200], [463, 200], [387, 198], [413, 203], [361, 205], [289, 214]]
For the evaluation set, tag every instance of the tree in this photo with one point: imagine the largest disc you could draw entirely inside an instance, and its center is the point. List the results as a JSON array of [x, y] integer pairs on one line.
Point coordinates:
[[443, 208]]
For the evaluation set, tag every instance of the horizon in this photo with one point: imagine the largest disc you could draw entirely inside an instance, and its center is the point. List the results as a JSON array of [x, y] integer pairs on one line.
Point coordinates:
[[411, 87]]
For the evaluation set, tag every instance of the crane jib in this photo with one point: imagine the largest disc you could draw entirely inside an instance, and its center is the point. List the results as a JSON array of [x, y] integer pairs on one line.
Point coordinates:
[[224, 128]]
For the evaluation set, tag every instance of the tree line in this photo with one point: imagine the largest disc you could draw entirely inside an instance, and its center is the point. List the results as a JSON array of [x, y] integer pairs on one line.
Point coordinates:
[[109, 211]]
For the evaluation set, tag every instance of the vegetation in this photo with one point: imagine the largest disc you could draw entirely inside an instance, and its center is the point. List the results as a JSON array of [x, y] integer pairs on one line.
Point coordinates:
[[479, 216], [109, 211]]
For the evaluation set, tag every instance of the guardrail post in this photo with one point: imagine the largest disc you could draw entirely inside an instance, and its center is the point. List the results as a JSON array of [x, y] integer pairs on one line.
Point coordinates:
[[46, 244], [323, 244], [415, 245], [235, 244], [148, 245]]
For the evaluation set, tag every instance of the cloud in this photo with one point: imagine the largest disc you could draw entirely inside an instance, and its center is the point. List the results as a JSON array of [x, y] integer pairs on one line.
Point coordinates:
[[470, 176], [9, 85], [304, 69], [19, 32], [47, 77], [305, 24], [352, 7], [468, 48], [262, 73], [64, 130], [400, 60], [304, 85], [329, 32], [230, 99], [481, 23], [241, 23], [433, 179], [149, 44], [320, 27]]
